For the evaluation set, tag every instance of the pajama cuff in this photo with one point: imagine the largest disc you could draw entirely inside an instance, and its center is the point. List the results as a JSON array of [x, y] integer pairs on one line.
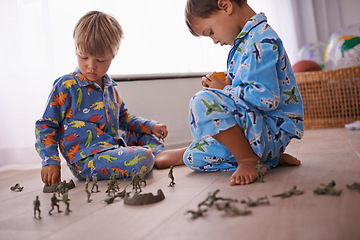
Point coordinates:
[[225, 124]]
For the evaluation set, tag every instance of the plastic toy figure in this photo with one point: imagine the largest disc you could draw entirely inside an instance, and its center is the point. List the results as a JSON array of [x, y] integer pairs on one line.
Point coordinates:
[[232, 210], [289, 193], [36, 204], [260, 173], [136, 180], [66, 200], [144, 198], [355, 185], [120, 195], [162, 134], [171, 176], [62, 188], [110, 199], [328, 189], [94, 181], [195, 214], [251, 203], [112, 184], [16, 188], [54, 202], [87, 190], [212, 198], [143, 178]]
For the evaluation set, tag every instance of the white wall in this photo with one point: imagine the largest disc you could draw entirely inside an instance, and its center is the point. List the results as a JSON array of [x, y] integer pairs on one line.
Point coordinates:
[[166, 101], [350, 12]]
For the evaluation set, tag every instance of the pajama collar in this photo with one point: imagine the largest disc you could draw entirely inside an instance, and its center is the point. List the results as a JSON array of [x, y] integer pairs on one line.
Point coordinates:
[[83, 81]]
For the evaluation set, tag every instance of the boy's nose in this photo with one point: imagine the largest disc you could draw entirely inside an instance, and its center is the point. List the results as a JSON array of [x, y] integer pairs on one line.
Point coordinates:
[[92, 65], [215, 40]]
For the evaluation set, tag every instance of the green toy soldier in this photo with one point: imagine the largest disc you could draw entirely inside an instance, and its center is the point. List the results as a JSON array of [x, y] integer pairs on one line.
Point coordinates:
[[37, 207], [120, 195], [94, 181], [66, 200], [355, 185], [87, 190], [251, 203], [328, 189], [195, 214], [136, 180], [260, 173], [171, 176], [54, 202], [232, 210], [62, 188], [112, 184], [289, 193], [212, 198], [142, 178], [16, 188]]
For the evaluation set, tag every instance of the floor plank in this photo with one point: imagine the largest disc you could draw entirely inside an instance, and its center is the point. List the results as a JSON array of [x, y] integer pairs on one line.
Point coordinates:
[[326, 154]]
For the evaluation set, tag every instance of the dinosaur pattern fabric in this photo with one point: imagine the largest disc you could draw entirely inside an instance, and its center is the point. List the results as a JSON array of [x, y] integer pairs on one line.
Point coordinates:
[[263, 100], [93, 130]]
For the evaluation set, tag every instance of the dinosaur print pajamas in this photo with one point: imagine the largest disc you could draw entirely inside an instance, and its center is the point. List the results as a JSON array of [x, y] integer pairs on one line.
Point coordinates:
[[263, 100], [84, 122]]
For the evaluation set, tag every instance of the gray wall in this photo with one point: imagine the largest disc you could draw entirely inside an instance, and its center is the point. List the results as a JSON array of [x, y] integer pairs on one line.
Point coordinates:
[[166, 101]]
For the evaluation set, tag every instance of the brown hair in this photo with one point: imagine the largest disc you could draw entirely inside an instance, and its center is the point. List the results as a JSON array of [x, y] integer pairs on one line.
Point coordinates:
[[202, 9], [98, 33]]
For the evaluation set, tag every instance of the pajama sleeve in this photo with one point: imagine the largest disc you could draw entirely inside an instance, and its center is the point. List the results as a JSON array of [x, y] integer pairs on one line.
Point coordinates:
[[256, 80], [47, 128]]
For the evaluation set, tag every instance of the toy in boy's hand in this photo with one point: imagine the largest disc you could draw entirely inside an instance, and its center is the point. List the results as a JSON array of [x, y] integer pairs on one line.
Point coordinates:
[[219, 75], [54, 187], [163, 135]]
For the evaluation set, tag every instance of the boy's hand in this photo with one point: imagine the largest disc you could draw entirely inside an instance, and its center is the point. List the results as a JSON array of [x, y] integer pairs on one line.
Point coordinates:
[[160, 130], [50, 174], [209, 81]]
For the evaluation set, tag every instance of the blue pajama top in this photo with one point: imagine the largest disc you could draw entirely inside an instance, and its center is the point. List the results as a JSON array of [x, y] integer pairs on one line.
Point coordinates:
[[82, 119], [261, 75]]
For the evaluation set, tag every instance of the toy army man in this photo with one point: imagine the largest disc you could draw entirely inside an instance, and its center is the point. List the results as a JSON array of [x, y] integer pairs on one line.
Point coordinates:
[[87, 190], [171, 176], [95, 185], [36, 204], [54, 202]]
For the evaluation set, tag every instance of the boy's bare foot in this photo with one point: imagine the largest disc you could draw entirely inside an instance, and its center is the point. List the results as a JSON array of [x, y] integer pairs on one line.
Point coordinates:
[[167, 158], [245, 173], [287, 159]]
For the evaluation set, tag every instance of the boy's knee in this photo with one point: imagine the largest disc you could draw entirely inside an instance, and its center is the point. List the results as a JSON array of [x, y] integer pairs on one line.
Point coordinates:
[[188, 158], [202, 94]]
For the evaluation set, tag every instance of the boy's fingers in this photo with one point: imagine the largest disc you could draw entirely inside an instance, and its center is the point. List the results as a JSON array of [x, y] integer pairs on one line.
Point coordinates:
[[56, 179]]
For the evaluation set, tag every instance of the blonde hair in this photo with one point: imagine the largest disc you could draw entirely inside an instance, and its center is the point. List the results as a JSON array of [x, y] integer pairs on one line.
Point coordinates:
[[97, 34]]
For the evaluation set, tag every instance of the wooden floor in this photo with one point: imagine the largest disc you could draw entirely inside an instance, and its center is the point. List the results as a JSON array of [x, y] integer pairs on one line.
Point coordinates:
[[326, 154]]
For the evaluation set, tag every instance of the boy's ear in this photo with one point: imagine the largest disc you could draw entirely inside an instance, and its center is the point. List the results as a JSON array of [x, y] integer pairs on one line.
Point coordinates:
[[225, 5]]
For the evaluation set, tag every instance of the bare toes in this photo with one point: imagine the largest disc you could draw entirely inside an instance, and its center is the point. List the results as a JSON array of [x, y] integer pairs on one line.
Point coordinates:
[[232, 181]]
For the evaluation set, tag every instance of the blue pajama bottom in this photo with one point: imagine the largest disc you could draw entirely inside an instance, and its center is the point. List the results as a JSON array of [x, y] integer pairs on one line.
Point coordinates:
[[138, 154], [213, 111]]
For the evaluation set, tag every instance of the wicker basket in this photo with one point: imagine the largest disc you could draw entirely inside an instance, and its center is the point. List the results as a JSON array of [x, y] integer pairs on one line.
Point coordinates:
[[331, 98]]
